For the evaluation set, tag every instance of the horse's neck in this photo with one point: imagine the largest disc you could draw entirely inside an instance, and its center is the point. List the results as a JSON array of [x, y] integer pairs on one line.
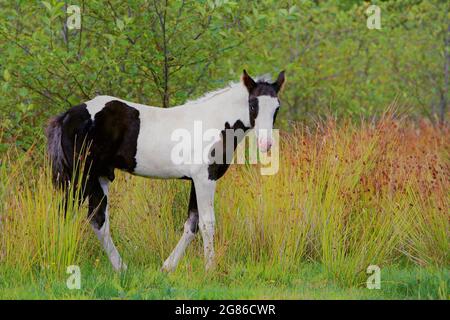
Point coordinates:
[[228, 106]]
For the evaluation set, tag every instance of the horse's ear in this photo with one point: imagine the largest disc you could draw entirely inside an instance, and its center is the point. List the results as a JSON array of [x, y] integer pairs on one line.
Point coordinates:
[[248, 81], [278, 85]]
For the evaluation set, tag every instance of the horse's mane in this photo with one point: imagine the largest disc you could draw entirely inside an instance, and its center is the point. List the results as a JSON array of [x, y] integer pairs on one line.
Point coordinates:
[[232, 87]]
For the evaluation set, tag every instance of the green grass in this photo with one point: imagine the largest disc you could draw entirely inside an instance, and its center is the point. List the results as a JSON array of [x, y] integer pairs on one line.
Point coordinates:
[[309, 281]]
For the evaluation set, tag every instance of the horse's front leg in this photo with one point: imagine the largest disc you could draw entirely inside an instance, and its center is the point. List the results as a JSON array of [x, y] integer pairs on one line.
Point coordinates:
[[205, 190]]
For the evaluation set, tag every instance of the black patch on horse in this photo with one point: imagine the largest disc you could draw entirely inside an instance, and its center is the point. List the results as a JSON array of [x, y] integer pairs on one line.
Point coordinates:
[[254, 109], [193, 210], [114, 137], [263, 88], [217, 170], [275, 116]]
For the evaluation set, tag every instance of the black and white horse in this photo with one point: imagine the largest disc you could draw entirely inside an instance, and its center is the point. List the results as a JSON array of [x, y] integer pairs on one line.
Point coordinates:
[[139, 139]]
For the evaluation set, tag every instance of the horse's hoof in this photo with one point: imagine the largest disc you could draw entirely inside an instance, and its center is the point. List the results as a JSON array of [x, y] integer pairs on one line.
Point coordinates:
[[167, 268], [210, 266], [121, 268]]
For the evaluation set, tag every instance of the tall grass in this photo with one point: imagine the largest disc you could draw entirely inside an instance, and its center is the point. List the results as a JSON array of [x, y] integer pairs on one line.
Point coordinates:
[[36, 232], [346, 196]]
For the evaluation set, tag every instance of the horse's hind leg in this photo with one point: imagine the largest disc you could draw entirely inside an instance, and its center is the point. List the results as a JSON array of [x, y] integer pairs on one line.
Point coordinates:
[[190, 229], [98, 212]]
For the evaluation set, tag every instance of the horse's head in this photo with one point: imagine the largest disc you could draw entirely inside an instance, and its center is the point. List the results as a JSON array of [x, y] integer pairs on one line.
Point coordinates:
[[263, 104]]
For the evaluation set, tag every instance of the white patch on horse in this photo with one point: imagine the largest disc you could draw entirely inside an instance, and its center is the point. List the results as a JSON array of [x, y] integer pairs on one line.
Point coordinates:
[[264, 121], [97, 104]]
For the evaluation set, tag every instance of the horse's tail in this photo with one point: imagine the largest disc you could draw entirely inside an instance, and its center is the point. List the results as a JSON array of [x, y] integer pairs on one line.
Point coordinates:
[[61, 168]]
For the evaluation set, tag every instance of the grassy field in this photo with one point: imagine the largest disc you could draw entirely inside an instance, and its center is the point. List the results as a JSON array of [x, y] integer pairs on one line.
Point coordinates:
[[346, 197], [308, 281]]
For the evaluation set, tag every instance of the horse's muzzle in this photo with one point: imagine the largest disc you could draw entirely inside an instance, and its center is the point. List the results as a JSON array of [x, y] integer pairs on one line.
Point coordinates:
[[264, 145]]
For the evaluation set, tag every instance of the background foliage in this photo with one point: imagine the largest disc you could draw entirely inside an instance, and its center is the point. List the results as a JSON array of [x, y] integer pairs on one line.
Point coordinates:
[[164, 52]]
